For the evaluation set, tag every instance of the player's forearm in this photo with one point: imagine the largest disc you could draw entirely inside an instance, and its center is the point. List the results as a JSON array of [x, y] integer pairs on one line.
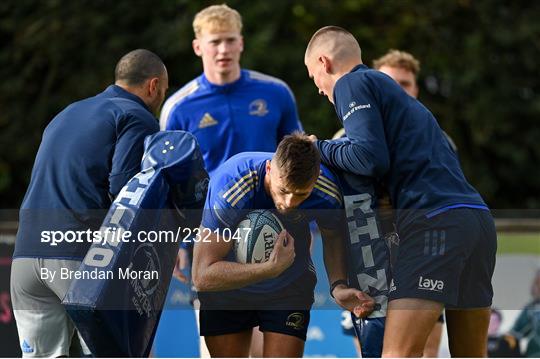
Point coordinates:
[[334, 255], [224, 275], [211, 272]]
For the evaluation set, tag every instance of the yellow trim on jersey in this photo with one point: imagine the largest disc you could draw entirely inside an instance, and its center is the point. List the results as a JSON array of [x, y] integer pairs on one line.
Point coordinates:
[[329, 183], [239, 182], [248, 183], [187, 90], [328, 192], [241, 195], [334, 189]]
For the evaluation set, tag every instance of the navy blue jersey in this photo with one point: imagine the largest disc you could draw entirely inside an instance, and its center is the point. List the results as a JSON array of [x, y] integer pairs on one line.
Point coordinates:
[[394, 138], [238, 187], [87, 154], [250, 114]]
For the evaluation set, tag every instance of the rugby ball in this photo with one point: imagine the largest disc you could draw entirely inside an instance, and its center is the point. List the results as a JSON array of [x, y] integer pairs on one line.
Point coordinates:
[[258, 233]]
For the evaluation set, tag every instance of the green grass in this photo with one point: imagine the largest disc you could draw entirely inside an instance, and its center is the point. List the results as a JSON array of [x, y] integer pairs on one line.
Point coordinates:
[[518, 243]]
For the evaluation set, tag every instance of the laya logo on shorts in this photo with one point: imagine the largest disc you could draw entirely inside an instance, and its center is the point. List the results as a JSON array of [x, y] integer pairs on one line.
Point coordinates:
[[295, 320], [430, 284]]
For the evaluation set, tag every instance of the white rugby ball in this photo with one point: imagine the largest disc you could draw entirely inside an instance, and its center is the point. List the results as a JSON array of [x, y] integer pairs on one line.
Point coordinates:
[[258, 233]]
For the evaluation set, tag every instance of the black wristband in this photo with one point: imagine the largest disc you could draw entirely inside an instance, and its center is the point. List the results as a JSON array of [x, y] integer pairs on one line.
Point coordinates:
[[335, 284]]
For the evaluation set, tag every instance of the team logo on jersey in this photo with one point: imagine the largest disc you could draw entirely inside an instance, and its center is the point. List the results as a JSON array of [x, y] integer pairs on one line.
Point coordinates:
[[207, 121], [258, 108], [295, 321]]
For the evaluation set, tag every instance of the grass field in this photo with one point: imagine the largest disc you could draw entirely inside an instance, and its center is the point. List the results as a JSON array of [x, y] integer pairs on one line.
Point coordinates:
[[518, 243]]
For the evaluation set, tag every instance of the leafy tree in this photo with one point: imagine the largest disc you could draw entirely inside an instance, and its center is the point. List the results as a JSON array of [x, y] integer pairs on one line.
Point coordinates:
[[479, 70]]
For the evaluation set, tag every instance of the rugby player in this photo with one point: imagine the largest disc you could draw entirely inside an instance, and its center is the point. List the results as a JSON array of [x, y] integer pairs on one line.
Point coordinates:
[[448, 241], [88, 152], [404, 68], [229, 109], [275, 295]]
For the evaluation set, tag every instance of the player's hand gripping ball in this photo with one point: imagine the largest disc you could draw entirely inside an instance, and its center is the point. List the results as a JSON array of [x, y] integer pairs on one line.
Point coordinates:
[[258, 234]]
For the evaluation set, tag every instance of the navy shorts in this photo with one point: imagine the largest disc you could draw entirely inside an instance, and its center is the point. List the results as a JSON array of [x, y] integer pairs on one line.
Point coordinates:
[[286, 311], [220, 322], [448, 258]]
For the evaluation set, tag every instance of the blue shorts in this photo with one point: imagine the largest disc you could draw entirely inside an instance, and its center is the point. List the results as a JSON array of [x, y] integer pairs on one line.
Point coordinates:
[[221, 322], [286, 311], [448, 258]]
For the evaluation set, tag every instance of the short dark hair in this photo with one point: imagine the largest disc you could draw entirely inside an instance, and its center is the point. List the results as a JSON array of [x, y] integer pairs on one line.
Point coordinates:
[[298, 159], [344, 43], [137, 66]]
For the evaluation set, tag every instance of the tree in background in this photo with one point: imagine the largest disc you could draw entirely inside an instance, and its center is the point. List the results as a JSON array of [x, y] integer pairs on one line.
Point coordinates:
[[479, 70]]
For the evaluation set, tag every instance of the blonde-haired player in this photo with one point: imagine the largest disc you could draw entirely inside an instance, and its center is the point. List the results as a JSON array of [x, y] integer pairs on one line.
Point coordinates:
[[229, 109]]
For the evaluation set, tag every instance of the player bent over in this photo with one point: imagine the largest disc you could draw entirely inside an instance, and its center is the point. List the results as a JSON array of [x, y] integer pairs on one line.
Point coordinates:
[[275, 295]]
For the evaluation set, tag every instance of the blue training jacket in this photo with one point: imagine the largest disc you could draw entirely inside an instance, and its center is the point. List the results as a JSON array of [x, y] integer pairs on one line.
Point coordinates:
[[88, 152], [394, 138]]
